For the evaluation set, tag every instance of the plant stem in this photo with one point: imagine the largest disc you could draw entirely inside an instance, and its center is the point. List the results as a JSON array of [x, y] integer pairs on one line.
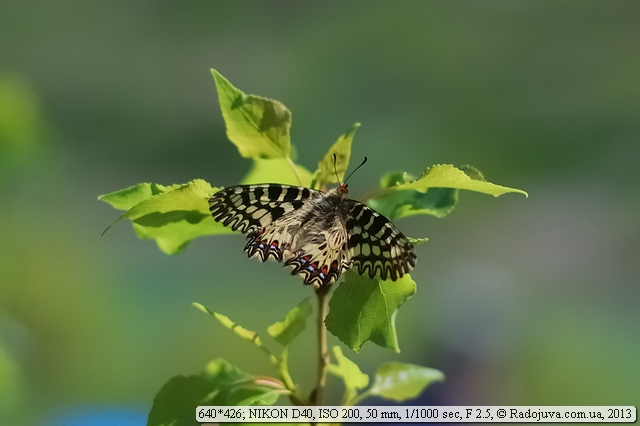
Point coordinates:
[[323, 353]]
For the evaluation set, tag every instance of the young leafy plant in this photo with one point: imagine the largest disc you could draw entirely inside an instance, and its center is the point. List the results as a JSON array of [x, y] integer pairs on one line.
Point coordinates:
[[361, 309]]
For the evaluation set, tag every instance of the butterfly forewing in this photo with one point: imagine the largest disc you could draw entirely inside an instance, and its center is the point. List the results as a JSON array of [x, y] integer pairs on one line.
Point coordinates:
[[247, 208]]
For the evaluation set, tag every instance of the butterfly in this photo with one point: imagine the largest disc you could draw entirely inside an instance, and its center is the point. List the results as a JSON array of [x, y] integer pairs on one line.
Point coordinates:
[[319, 234]]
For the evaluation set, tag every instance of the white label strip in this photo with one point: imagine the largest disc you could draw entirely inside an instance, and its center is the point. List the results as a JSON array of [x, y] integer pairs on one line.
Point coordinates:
[[418, 414]]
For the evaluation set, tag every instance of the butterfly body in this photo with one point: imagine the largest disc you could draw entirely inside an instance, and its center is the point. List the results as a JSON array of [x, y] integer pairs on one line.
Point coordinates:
[[319, 234]]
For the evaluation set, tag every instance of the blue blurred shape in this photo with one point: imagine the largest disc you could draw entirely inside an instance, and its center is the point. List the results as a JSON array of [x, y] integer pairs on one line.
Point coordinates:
[[101, 416]]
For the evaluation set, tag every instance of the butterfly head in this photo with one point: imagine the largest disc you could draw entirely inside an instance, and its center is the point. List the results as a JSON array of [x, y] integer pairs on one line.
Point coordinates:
[[342, 189], [339, 192]]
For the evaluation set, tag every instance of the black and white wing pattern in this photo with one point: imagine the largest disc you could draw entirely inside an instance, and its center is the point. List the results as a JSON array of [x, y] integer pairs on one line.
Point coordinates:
[[267, 213], [377, 247], [248, 208], [318, 234]]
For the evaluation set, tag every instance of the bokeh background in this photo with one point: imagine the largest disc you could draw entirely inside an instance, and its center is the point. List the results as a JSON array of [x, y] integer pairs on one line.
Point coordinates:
[[520, 301]]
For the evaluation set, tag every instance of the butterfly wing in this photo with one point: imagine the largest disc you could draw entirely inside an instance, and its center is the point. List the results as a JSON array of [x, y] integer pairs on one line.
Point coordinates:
[[319, 252], [266, 212], [376, 246], [247, 208]]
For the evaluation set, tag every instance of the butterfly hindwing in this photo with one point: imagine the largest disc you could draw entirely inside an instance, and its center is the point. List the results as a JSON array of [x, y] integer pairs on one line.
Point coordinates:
[[322, 256], [275, 238], [377, 247]]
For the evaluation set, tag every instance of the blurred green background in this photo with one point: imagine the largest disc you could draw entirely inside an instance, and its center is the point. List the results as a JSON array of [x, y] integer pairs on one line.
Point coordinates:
[[520, 301]]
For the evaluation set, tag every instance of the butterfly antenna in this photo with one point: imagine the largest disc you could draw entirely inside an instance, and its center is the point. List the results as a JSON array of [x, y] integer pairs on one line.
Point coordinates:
[[354, 170], [335, 169]]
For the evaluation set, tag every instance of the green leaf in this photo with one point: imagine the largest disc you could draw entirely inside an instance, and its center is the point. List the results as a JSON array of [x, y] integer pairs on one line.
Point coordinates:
[[395, 178], [239, 330], [278, 170], [399, 381], [294, 323], [353, 378], [172, 218], [253, 395], [220, 384], [221, 372], [342, 149], [283, 369], [259, 127], [437, 202], [434, 193], [129, 197], [448, 176], [236, 387], [176, 403], [417, 241], [472, 172], [364, 309]]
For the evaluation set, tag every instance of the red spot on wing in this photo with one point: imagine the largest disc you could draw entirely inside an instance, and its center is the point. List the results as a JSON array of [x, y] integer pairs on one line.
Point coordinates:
[[334, 265]]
